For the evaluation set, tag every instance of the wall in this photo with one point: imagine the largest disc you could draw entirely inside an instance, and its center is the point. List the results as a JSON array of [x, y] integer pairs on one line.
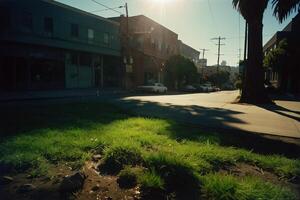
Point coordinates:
[[63, 16]]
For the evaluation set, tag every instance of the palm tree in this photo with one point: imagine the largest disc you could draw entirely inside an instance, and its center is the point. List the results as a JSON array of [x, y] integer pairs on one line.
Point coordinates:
[[253, 83], [253, 90]]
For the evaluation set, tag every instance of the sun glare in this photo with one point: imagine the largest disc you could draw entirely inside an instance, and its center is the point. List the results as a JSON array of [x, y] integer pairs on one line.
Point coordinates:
[[162, 1]]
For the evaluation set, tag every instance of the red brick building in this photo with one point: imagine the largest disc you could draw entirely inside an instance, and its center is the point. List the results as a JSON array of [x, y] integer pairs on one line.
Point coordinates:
[[146, 47]]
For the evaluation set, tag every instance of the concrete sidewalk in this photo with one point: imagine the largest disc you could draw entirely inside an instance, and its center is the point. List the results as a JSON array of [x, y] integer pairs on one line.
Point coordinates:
[[56, 94], [216, 110]]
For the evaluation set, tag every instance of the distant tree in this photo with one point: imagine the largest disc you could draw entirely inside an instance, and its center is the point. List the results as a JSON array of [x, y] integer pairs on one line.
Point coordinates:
[[219, 78], [180, 71], [223, 63], [276, 58]]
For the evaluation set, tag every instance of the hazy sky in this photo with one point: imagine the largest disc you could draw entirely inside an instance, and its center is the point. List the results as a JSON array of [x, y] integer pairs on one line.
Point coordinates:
[[195, 22]]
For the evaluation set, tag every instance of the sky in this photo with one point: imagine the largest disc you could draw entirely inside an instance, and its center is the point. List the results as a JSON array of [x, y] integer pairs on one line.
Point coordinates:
[[195, 21]]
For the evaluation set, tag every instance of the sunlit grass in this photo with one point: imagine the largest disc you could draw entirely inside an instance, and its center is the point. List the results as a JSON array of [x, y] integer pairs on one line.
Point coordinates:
[[228, 187]]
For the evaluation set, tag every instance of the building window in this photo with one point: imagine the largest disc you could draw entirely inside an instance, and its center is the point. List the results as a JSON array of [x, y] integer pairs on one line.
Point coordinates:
[[74, 30], [152, 43], [27, 21], [105, 38], [91, 34], [48, 25]]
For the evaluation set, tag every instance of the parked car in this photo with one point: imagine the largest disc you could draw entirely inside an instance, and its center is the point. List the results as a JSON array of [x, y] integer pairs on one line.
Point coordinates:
[[207, 87], [155, 87], [216, 89], [189, 88], [228, 86], [198, 88]]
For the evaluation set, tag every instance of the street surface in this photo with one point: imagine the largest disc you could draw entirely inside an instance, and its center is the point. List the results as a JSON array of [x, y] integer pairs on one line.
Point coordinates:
[[218, 110]]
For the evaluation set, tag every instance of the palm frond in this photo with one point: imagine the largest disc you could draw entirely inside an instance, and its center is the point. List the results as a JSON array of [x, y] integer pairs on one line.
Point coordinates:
[[250, 8], [283, 8]]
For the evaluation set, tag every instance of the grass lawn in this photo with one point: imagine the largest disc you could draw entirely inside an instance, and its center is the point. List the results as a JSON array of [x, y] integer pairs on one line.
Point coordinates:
[[162, 155]]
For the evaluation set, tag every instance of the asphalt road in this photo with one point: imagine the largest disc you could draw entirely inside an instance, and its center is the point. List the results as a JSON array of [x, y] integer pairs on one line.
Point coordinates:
[[218, 110]]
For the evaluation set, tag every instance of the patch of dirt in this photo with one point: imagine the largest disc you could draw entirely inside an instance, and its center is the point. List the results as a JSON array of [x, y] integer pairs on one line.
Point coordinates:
[[244, 169], [46, 187], [96, 186]]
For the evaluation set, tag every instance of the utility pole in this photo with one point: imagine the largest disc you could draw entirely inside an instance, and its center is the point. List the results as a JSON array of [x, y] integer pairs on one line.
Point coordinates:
[[127, 19], [240, 54], [219, 48], [203, 52], [126, 51], [246, 41]]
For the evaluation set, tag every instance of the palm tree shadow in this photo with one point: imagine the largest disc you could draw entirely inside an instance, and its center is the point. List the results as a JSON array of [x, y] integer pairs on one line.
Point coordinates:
[[192, 114], [282, 111], [205, 123]]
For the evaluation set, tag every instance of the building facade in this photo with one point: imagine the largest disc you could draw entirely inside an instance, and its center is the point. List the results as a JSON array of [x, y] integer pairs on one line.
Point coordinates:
[[286, 77], [188, 52], [48, 45], [146, 47]]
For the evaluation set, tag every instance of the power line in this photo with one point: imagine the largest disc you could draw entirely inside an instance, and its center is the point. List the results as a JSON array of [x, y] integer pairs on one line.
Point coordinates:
[[101, 4], [106, 9], [237, 38], [211, 13]]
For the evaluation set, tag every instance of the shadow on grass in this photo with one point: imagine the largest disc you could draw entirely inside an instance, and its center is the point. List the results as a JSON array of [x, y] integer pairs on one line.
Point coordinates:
[[178, 177], [205, 123], [18, 118], [202, 123]]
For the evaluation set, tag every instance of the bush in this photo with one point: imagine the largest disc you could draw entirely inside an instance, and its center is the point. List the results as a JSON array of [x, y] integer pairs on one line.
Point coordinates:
[[115, 158]]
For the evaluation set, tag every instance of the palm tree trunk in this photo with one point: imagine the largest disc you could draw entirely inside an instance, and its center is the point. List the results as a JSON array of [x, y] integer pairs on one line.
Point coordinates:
[[253, 90]]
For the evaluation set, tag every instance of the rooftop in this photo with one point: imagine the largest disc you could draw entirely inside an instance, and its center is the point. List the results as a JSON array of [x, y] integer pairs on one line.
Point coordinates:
[[80, 11]]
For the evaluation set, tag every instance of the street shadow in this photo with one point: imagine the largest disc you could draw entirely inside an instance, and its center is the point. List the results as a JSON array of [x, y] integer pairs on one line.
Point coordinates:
[[188, 114], [211, 124], [284, 97], [281, 111]]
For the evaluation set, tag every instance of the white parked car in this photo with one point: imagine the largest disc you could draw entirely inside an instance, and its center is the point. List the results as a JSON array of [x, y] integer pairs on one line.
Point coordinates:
[[155, 87]]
